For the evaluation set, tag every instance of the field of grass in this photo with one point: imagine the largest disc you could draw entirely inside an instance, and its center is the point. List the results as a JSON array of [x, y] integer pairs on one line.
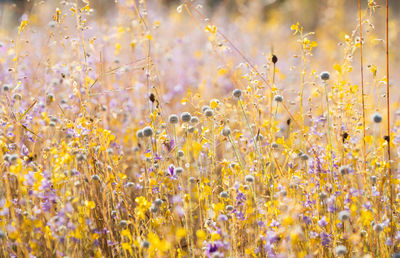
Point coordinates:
[[243, 129]]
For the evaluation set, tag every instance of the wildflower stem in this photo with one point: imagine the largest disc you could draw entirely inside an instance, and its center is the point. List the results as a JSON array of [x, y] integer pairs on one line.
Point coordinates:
[[329, 128], [236, 152], [362, 82], [251, 132], [388, 122]]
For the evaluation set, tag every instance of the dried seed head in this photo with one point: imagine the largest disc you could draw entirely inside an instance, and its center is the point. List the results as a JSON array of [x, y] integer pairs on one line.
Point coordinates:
[[377, 118], [152, 98], [158, 202], [139, 134], [278, 98], [194, 120], [173, 119], [304, 157], [274, 59], [249, 179], [237, 93], [17, 96], [344, 170], [226, 131], [153, 208], [209, 113], [229, 207], [179, 170], [130, 184], [81, 157], [323, 196], [274, 145], [185, 117], [147, 131], [181, 153], [204, 108], [344, 215], [340, 250], [145, 244], [96, 178], [325, 76], [6, 87], [378, 228], [123, 223], [224, 195], [192, 180]]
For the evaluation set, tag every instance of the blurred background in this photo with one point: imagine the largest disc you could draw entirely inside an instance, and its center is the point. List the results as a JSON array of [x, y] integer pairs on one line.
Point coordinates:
[[310, 12]]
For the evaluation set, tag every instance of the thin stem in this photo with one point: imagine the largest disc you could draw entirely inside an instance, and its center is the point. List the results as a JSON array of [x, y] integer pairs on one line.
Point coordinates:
[[236, 151], [329, 127], [251, 132], [362, 82], [388, 121]]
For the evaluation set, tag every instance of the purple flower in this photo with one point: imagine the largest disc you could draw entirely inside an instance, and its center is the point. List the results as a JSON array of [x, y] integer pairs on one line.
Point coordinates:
[[325, 239], [322, 222]]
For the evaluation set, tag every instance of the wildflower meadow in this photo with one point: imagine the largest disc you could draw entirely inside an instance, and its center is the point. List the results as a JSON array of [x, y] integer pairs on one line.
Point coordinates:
[[230, 128]]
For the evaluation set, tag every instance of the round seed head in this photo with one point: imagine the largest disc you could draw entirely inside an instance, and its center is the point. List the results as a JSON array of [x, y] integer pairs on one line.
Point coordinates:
[[179, 170], [181, 153], [6, 87], [226, 131], [81, 157], [145, 244], [50, 97], [249, 179], [325, 76], [344, 170], [192, 180], [17, 96], [224, 195], [363, 233], [377, 118], [323, 196], [237, 93], [378, 228], [373, 179], [209, 113], [173, 119], [130, 184], [274, 145], [13, 158], [158, 202], [2, 235], [194, 120], [185, 117], [304, 157], [123, 223], [229, 207], [139, 134], [278, 98], [340, 250], [6, 157], [153, 208], [204, 108], [344, 215], [147, 131], [96, 178], [110, 151]]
